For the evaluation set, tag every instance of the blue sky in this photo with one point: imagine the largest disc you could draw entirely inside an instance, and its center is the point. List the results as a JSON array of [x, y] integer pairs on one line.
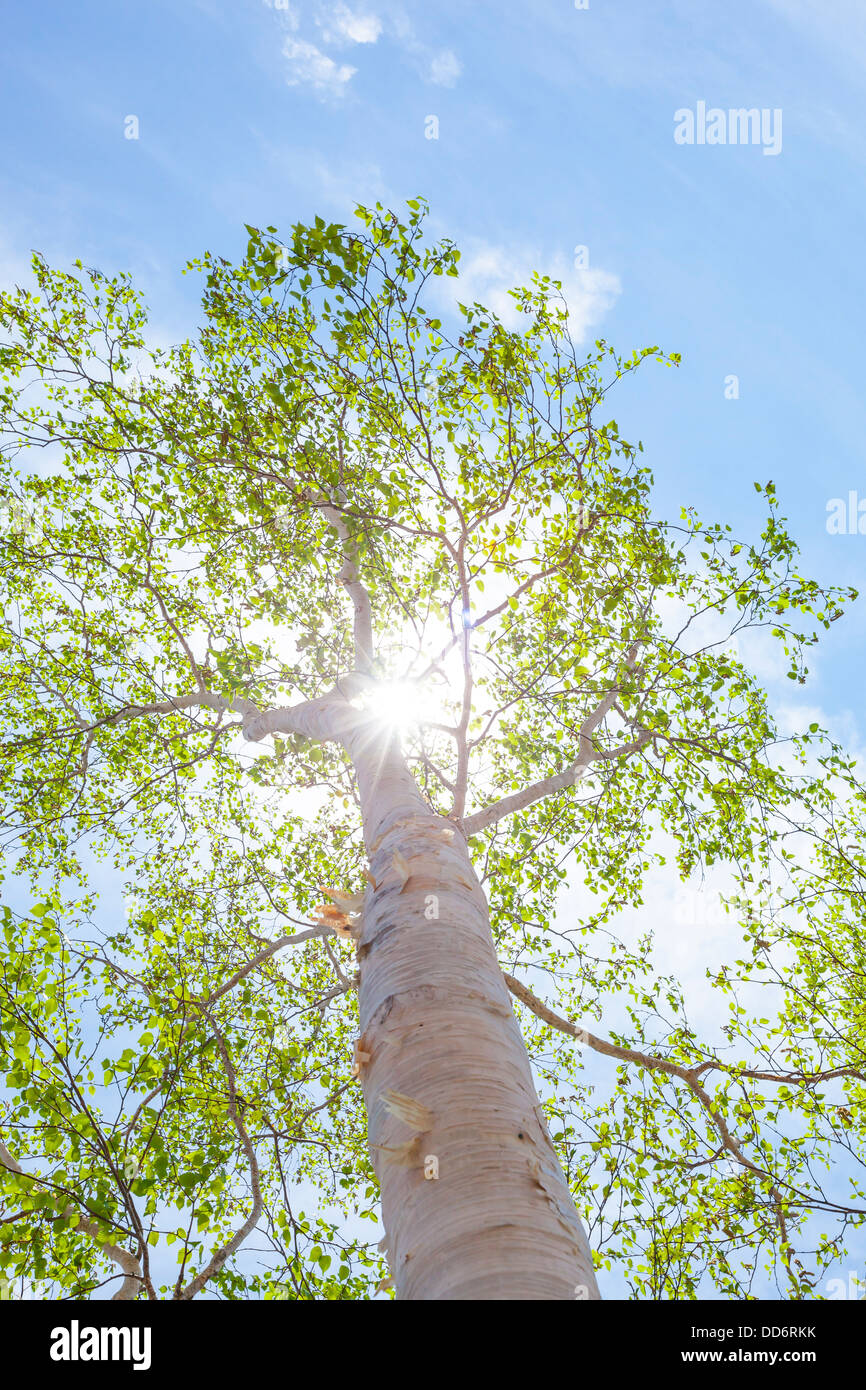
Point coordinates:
[[555, 130]]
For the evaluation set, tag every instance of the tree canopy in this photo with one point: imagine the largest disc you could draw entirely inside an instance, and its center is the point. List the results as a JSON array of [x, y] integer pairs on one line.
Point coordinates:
[[349, 481]]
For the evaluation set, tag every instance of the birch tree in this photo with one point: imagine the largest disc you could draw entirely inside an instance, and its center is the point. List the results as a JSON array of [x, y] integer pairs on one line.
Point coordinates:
[[339, 641]]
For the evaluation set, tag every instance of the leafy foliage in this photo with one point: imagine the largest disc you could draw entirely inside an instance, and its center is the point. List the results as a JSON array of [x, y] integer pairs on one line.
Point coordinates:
[[199, 520]]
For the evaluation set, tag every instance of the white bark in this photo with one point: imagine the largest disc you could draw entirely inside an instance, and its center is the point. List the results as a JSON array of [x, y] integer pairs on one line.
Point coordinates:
[[447, 1075], [445, 1072]]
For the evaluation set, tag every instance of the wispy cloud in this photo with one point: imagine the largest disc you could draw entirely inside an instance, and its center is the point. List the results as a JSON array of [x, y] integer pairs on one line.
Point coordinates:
[[338, 27], [287, 12], [488, 272], [439, 66], [308, 65], [445, 68], [342, 25]]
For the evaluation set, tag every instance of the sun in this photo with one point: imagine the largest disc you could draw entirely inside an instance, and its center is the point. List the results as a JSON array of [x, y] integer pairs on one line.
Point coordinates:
[[401, 703], [406, 701]]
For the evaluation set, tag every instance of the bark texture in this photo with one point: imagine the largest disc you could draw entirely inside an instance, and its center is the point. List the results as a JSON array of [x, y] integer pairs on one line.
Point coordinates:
[[445, 1072]]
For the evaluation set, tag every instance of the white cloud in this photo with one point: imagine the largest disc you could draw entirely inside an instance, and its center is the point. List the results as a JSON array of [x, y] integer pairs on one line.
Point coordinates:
[[445, 68], [286, 10], [309, 65], [338, 27], [441, 67], [343, 24], [488, 272]]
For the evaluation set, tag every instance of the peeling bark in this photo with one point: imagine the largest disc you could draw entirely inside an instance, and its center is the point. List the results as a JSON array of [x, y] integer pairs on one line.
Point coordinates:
[[498, 1222], [446, 1077]]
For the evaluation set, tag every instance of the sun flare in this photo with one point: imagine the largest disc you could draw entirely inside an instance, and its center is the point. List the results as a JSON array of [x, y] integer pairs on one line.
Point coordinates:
[[397, 703]]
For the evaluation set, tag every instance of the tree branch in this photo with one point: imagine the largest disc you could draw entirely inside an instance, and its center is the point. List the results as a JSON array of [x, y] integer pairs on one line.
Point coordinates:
[[687, 1074], [351, 582], [651, 1063], [587, 754], [548, 786], [220, 1256], [328, 716], [262, 956], [132, 1276], [461, 780]]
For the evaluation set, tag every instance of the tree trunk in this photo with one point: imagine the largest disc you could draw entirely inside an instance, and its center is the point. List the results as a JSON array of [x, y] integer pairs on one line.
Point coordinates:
[[445, 1072]]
